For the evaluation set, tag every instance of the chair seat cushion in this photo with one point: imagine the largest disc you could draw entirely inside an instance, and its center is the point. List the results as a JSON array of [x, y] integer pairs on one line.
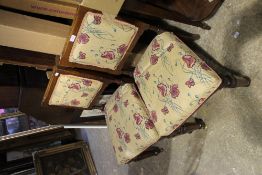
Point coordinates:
[[128, 122], [74, 91], [173, 82], [101, 42]]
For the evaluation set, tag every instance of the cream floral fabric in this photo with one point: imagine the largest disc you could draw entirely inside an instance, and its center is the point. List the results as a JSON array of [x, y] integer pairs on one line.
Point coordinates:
[[128, 122], [173, 82], [100, 42], [74, 91]]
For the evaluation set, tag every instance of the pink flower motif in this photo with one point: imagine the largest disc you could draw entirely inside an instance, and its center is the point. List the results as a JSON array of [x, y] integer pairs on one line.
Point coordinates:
[[97, 20], [153, 59], [165, 110], [121, 49], [137, 72], [190, 83], [108, 55], [126, 103], [117, 96], [149, 124], [189, 60], [82, 55], [75, 102], [201, 100], [138, 118], [155, 45], [147, 75], [83, 38], [204, 66], [134, 93], [84, 94], [87, 82], [170, 47], [153, 116], [137, 136], [119, 132], [127, 137], [120, 149], [75, 86], [115, 108], [162, 88], [174, 91]]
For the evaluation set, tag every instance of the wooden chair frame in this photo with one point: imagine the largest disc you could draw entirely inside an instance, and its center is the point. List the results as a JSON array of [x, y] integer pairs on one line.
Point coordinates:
[[142, 27], [57, 71]]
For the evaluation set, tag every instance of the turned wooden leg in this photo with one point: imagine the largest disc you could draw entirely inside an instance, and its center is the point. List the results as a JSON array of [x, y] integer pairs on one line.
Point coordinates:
[[233, 80], [188, 128], [151, 151]]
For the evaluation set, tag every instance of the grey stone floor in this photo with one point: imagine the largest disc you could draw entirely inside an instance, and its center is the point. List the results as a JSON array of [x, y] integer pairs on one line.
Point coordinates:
[[232, 143]]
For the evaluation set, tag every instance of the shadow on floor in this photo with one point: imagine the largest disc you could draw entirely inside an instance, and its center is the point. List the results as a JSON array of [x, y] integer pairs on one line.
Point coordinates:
[[249, 26]]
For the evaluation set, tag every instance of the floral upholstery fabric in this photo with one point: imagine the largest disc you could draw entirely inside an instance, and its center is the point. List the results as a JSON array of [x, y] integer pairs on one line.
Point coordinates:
[[173, 82], [100, 42], [128, 122], [74, 91]]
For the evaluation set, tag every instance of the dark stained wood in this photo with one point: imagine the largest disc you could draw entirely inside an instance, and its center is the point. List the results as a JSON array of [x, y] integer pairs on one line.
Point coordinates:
[[191, 12], [27, 58]]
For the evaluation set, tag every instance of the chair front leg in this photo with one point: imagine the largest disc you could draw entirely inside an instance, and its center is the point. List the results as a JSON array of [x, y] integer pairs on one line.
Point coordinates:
[[188, 128], [233, 80], [151, 151]]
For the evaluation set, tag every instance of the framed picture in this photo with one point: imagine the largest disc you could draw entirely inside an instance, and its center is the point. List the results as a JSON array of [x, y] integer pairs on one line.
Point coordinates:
[[71, 159]]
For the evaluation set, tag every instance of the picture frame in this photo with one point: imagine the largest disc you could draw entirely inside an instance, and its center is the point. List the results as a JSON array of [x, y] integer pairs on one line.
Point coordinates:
[[70, 159]]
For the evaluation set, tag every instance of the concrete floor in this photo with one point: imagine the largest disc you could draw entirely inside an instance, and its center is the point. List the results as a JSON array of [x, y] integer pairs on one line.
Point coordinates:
[[232, 143]]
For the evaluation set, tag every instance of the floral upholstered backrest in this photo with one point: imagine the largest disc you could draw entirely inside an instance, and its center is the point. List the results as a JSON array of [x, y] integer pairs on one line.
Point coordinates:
[[74, 91], [173, 81], [128, 123], [101, 42]]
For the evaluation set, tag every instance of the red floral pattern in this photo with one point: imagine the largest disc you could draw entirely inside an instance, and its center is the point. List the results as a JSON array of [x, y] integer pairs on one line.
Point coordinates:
[[155, 45], [162, 89], [117, 96], [127, 138], [138, 118], [174, 91], [83, 38], [153, 59], [87, 82], [170, 47], [115, 108], [165, 110], [149, 124], [190, 83], [147, 75], [75, 86], [126, 103], [189, 60], [108, 55], [75, 102], [135, 94], [120, 133], [84, 94], [201, 100], [82, 55], [97, 20], [121, 49], [204, 66], [137, 136], [153, 116]]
